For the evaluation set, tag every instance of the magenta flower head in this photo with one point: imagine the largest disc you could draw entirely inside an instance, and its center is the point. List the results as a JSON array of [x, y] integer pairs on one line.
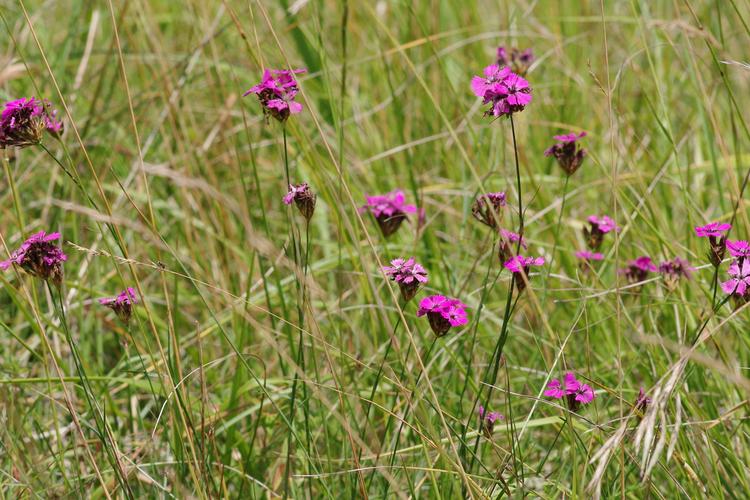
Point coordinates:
[[487, 421], [389, 210], [303, 197], [518, 60], [487, 208], [739, 283], [714, 231], [276, 93], [675, 269], [509, 243], [568, 153], [122, 304], [570, 388], [408, 274], [599, 227], [443, 313], [738, 248], [642, 401], [637, 270], [39, 257], [23, 122], [520, 267], [505, 91], [588, 258]]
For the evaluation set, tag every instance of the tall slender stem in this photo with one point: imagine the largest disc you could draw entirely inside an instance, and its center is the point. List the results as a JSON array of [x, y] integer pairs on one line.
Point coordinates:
[[494, 365], [518, 182]]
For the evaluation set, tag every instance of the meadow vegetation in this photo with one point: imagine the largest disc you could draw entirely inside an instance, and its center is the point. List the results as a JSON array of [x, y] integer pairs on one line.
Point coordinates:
[[374, 249]]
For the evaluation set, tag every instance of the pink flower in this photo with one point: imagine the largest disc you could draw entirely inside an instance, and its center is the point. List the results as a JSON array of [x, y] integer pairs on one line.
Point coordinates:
[[508, 244], [303, 197], [389, 210], [642, 401], [599, 227], [584, 394], [487, 208], [739, 270], [443, 313], [603, 224], [738, 248], [713, 229], [521, 264], [39, 257], [575, 392], [586, 255], [23, 122], [406, 271], [513, 237], [644, 264], [506, 91], [122, 304], [567, 152], [674, 269], [487, 421], [512, 96], [637, 270], [559, 389], [276, 93], [493, 75], [408, 274]]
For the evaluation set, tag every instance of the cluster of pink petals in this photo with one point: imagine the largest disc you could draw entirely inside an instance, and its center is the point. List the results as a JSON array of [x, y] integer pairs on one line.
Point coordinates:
[[570, 386], [506, 91], [567, 152], [521, 264], [642, 401], [406, 271], [487, 208], [388, 205], [23, 121], [738, 248], [676, 268], [589, 256], [739, 283], [568, 138], [603, 224], [277, 91], [294, 191], [39, 256], [491, 417], [644, 263], [712, 230], [122, 304], [452, 310], [303, 197], [513, 237], [126, 297]]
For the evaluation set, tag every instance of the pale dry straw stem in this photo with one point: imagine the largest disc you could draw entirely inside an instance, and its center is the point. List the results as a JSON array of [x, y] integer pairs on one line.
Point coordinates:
[[90, 37], [457, 461]]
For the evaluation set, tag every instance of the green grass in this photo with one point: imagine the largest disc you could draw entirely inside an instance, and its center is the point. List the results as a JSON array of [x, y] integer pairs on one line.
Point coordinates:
[[273, 359]]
